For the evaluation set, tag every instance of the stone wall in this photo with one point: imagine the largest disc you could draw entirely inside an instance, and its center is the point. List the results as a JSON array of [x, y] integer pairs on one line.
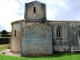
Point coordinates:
[[40, 10], [36, 40], [60, 43], [15, 40], [74, 35], [70, 39], [32, 36]]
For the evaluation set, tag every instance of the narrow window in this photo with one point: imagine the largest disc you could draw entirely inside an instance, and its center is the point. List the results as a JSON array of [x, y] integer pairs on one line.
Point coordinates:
[[34, 9], [58, 32], [15, 33]]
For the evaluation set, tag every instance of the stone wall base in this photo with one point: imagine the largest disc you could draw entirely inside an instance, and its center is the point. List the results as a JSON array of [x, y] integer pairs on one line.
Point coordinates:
[[37, 54], [14, 51]]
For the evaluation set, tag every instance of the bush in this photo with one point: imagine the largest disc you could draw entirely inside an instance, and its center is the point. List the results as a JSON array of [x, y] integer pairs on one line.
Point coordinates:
[[4, 40], [5, 35]]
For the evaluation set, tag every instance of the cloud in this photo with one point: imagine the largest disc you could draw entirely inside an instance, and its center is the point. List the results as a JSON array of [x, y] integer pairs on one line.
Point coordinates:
[[71, 13], [1, 27], [7, 13], [12, 10], [55, 7]]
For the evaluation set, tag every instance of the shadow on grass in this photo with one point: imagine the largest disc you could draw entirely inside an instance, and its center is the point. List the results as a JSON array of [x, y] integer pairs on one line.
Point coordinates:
[[54, 55], [48, 56]]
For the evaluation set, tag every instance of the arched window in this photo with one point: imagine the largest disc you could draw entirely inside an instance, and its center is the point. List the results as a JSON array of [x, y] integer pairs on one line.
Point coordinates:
[[58, 31], [34, 10]]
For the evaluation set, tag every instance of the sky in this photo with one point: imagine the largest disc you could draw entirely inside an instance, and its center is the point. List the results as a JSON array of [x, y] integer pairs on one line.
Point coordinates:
[[61, 10]]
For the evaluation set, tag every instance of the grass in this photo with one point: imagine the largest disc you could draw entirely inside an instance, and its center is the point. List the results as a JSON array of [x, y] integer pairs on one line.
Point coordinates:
[[3, 47], [5, 37], [54, 57], [74, 56]]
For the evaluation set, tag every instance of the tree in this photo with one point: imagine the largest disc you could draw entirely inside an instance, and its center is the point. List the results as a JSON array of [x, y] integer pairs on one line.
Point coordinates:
[[4, 32]]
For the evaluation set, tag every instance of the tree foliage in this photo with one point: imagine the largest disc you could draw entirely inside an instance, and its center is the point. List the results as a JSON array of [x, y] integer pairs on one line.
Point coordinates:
[[4, 32]]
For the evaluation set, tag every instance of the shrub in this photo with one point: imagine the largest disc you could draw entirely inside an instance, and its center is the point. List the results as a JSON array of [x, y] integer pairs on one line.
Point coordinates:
[[4, 40], [5, 35], [44, 19]]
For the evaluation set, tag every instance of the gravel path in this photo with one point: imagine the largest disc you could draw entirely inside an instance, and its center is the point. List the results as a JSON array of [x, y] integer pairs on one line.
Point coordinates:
[[7, 52]]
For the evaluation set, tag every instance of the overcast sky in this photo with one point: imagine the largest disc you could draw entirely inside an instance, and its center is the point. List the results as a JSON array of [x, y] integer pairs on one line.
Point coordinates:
[[12, 10]]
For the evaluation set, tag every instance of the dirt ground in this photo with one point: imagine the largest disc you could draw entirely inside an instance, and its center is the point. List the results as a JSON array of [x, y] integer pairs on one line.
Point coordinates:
[[7, 52]]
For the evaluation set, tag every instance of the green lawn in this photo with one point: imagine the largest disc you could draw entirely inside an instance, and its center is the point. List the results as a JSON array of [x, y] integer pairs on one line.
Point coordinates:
[[55, 57], [3, 47]]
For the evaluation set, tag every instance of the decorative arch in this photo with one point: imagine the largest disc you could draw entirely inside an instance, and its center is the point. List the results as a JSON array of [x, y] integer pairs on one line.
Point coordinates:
[[58, 31]]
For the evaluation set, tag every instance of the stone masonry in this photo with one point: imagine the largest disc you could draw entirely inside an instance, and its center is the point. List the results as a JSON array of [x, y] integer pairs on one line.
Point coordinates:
[[31, 37], [40, 11], [36, 40]]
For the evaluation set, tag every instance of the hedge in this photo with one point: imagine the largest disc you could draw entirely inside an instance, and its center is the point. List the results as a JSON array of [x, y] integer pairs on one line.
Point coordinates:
[[4, 40], [5, 35]]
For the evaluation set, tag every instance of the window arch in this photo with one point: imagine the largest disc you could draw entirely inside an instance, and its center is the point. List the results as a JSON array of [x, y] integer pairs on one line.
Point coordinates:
[[58, 31], [34, 10]]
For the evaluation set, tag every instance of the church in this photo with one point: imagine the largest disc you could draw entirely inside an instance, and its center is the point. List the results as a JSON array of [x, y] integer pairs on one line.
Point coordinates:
[[35, 35]]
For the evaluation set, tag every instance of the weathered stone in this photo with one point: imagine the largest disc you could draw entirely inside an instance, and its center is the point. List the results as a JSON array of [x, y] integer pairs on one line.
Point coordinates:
[[40, 10], [69, 35], [36, 39], [15, 42]]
